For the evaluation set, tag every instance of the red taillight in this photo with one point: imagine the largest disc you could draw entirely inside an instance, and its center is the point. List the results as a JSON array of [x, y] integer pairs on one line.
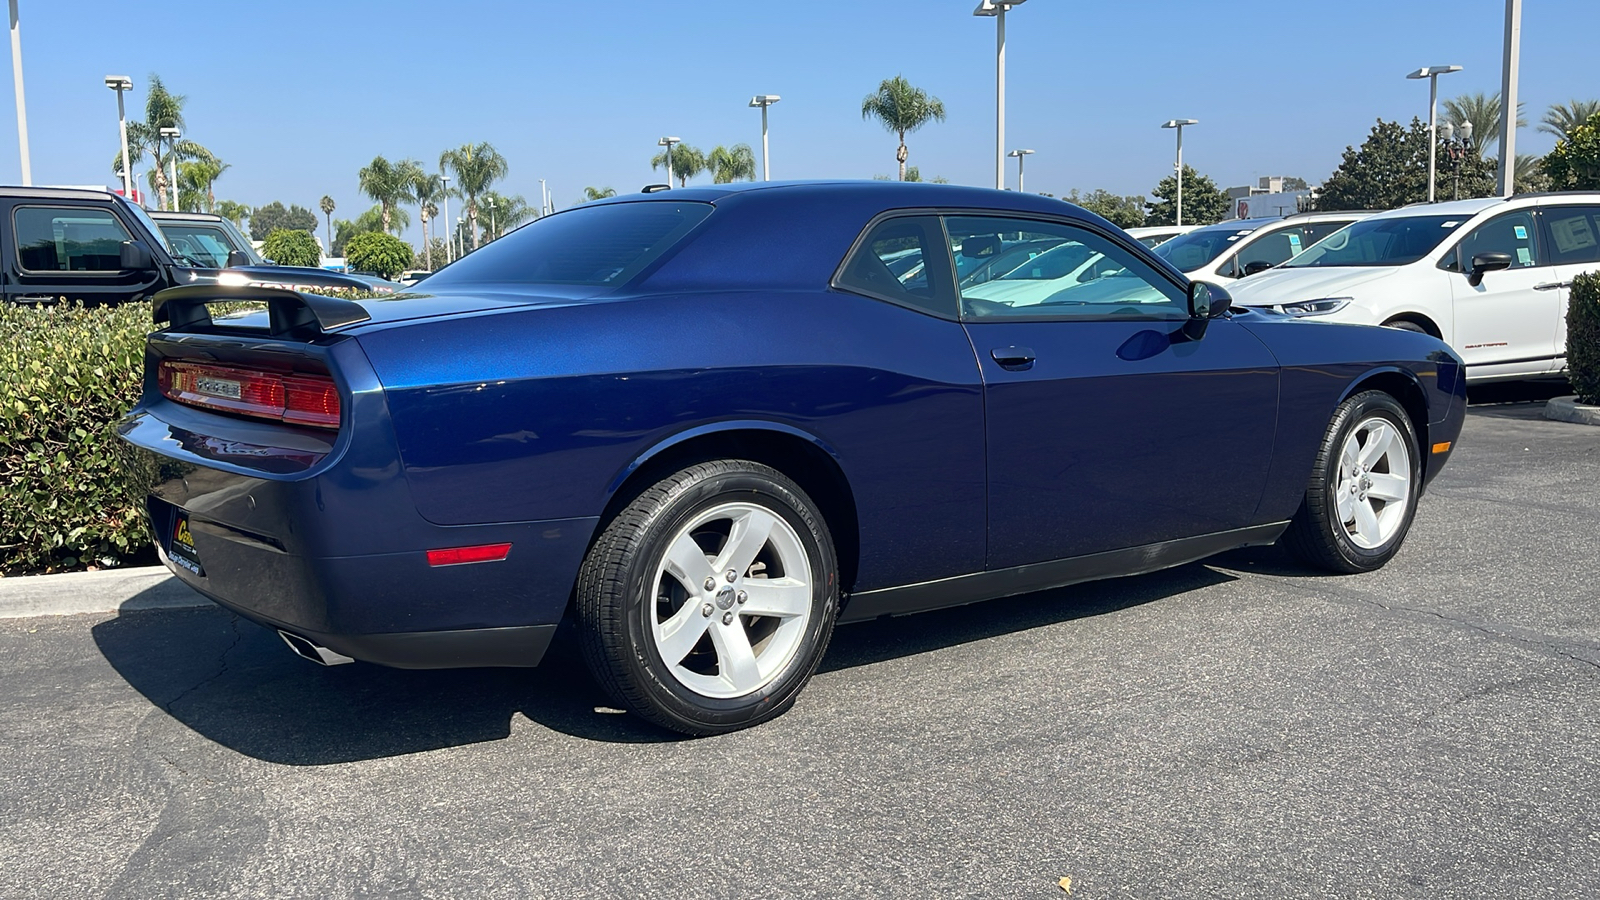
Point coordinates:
[[298, 399], [456, 556]]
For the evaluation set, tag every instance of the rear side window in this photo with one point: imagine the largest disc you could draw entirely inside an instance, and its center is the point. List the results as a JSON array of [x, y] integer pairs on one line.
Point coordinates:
[[68, 240], [1574, 234], [602, 245], [904, 261]]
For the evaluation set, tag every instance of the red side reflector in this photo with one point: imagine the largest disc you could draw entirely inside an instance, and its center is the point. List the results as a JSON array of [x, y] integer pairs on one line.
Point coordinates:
[[458, 556]]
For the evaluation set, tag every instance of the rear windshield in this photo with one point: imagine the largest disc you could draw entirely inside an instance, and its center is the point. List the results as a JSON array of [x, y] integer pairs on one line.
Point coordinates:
[[589, 245], [1379, 242]]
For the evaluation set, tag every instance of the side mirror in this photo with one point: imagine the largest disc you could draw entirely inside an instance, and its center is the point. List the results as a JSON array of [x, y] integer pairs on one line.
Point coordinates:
[[135, 256], [1256, 265], [1486, 262], [1206, 302], [238, 258]]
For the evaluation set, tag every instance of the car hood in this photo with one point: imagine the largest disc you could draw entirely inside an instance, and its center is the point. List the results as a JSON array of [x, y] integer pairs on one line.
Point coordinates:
[[1276, 286]]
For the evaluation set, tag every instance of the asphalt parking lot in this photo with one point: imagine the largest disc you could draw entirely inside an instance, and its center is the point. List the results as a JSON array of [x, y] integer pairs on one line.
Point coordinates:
[[1240, 728]]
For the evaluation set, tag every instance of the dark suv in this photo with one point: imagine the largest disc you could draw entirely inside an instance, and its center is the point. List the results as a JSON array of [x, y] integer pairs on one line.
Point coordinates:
[[63, 245]]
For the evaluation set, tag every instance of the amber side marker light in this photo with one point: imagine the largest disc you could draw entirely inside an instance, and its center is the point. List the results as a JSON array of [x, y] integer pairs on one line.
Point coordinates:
[[460, 556], [1442, 447]]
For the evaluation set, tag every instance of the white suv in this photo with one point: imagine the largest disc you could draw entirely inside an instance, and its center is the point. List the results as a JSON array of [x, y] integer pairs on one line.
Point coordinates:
[[1241, 247], [1490, 277]]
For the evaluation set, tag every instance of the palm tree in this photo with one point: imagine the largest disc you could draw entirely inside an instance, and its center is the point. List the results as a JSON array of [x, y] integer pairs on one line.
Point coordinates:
[[162, 109], [477, 167], [593, 193], [730, 164], [194, 183], [427, 190], [327, 206], [687, 162], [1483, 111], [390, 184], [1561, 118], [901, 108], [233, 212], [506, 212]]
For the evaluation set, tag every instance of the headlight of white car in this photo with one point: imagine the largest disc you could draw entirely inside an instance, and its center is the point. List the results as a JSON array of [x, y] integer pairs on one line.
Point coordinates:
[[1325, 306]]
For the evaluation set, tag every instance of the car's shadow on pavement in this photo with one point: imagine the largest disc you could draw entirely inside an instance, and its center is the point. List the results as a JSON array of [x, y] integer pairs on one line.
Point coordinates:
[[235, 683]]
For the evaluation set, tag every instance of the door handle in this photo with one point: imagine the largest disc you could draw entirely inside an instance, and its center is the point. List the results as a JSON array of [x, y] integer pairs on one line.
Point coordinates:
[[34, 298], [1552, 285], [1013, 357]]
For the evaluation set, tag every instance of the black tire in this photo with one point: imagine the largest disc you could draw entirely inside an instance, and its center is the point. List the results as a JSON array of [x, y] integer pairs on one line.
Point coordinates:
[[1405, 325], [1317, 535], [617, 597]]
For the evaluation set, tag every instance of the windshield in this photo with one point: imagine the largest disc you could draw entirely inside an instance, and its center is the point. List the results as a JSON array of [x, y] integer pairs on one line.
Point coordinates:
[[1191, 251], [1379, 242], [204, 243], [149, 224], [588, 245], [240, 242]]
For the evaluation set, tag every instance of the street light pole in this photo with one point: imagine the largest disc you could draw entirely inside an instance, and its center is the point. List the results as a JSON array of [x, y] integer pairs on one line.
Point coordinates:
[[450, 245], [22, 104], [120, 83], [667, 142], [996, 9], [1508, 98], [764, 101], [172, 135], [489, 202], [1432, 73], [1177, 164], [1020, 155]]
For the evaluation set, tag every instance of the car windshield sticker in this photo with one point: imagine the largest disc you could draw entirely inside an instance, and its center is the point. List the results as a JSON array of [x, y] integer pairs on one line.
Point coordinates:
[[1450, 224], [1521, 232], [1524, 257], [1294, 244]]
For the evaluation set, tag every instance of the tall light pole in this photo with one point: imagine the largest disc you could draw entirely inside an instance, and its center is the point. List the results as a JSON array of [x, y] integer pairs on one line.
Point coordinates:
[[120, 83], [764, 101], [1019, 154], [1508, 97], [461, 233], [667, 142], [997, 10], [22, 104], [544, 199], [489, 202], [450, 245], [1177, 163], [1432, 73], [172, 135]]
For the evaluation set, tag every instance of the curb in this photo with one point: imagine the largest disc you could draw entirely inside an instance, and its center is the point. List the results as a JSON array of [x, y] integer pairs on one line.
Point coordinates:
[[1568, 409], [108, 591]]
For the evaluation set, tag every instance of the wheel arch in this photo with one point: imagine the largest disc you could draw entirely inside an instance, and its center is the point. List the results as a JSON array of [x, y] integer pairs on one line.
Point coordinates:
[[809, 461], [1404, 387], [1422, 320]]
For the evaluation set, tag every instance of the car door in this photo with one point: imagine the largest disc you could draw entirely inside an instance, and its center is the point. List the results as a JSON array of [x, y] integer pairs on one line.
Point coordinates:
[[1105, 430], [1572, 238], [63, 252], [1505, 325]]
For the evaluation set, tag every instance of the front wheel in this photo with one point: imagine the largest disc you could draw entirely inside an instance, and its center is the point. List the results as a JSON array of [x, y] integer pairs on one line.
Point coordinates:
[[1363, 490], [708, 602]]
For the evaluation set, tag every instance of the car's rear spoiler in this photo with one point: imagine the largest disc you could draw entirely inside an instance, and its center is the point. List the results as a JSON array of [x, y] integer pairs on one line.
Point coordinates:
[[289, 312]]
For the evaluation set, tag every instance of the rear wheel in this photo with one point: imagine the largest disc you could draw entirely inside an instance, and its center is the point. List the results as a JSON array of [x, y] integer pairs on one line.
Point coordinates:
[[708, 602], [1363, 490]]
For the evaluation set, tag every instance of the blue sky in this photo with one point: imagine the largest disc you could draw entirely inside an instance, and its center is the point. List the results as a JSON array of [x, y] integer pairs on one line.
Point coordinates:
[[297, 96]]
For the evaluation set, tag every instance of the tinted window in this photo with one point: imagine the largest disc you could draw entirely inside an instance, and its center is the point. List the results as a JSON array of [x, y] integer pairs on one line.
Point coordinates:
[[1379, 242], [1511, 234], [903, 260], [1574, 234], [1193, 250], [207, 245], [595, 245], [1274, 248], [1107, 281], [76, 240], [1004, 262]]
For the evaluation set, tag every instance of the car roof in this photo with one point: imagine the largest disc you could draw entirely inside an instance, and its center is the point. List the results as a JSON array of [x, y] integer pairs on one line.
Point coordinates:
[[54, 193], [170, 216], [890, 194], [1463, 208]]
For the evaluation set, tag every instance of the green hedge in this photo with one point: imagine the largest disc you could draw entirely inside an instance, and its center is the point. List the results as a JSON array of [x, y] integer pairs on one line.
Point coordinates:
[[1583, 337], [70, 491]]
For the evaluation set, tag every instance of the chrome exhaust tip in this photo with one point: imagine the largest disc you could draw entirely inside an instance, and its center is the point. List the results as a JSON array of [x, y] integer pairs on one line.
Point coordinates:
[[317, 653]]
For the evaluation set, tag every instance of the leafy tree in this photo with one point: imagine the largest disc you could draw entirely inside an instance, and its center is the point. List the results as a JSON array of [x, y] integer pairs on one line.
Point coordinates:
[[234, 212], [729, 164], [436, 249], [382, 254], [390, 184], [1390, 170], [687, 162], [505, 213], [292, 247], [1561, 118], [1574, 164], [194, 183], [1203, 202], [162, 109], [1123, 212], [1295, 184], [327, 206], [477, 167], [1483, 111], [368, 222], [594, 193], [269, 218], [901, 108]]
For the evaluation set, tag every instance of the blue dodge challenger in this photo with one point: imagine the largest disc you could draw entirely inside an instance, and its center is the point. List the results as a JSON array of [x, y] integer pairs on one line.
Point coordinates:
[[709, 424]]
